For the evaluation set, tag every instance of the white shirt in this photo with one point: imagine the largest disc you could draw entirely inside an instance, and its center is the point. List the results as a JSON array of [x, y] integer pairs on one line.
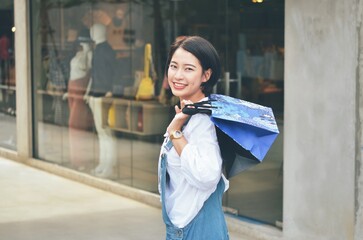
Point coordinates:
[[80, 64], [195, 174]]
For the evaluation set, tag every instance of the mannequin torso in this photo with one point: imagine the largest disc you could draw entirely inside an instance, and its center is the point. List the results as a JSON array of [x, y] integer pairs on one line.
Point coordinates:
[[81, 63], [103, 63]]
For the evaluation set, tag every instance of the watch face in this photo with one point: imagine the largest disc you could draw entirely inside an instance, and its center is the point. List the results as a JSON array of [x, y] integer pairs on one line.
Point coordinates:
[[176, 134]]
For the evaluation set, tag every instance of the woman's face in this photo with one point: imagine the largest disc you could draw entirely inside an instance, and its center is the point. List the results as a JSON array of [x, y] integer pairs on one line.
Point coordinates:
[[185, 76]]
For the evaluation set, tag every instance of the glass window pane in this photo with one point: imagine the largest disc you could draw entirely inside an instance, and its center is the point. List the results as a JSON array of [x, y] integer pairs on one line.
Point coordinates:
[[256, 55], [89, 60], [7, 78]]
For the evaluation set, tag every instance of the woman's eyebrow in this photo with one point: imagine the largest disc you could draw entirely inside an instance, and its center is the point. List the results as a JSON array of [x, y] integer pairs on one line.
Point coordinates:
[[186, 65], [190, 65]]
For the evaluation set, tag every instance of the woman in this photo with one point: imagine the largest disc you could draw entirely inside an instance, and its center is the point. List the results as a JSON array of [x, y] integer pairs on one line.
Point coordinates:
[[191, 182]]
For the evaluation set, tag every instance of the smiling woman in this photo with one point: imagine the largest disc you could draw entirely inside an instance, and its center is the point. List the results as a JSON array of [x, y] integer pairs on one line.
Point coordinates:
[[191, 180]]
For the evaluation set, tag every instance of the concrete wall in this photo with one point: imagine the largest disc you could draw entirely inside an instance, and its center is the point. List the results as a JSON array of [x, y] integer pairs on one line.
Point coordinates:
[[320, 119]]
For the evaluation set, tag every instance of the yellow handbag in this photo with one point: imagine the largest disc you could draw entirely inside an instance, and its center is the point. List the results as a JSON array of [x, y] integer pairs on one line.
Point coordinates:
[[111, 120], [146, 89]]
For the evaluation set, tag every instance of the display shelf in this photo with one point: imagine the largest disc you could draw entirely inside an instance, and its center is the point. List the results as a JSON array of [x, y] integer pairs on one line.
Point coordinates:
[[136, 117], [51, 107], [50, 92], [7, 87]]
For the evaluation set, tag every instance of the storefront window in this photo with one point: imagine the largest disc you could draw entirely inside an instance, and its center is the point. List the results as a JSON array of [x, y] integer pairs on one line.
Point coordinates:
[[95, 89], [7, 77], [100, 103], [255, 56]]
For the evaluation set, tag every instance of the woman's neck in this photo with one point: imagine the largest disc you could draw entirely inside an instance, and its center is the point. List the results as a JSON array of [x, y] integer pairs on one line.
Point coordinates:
[[194, 98]]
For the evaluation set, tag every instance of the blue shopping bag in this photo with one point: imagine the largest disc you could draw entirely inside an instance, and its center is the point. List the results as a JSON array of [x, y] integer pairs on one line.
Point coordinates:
[[245, 130]]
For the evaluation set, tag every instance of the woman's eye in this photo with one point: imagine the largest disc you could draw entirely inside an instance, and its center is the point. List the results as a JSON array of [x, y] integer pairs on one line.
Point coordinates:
[[172, 66], [189, 69]]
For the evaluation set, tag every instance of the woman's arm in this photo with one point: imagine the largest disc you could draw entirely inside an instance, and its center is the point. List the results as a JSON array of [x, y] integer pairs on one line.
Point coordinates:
[[201, 161]]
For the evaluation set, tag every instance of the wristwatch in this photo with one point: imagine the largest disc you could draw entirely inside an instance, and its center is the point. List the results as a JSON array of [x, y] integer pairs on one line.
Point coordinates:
[[176, 134]]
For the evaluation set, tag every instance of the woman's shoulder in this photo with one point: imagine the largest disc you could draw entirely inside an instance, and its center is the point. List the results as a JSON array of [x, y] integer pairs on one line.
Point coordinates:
[[199, 120], [198, 126], [200, 117]]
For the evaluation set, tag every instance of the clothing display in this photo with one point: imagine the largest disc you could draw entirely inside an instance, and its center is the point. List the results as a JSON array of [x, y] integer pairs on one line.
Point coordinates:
[[70, 50], [56, 72], [102, 82], [4, 59], [80, 116], [4, 47], [57, 83], [123, 76], [103, 70]]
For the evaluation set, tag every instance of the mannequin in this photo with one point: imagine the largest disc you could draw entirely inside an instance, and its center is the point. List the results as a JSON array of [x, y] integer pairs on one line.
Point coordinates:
[[80, 66], [81, 63], [80, 116], [102, 76]]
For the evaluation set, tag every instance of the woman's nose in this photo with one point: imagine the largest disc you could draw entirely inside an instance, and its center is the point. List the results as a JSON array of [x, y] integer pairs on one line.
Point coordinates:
[[178, 74]]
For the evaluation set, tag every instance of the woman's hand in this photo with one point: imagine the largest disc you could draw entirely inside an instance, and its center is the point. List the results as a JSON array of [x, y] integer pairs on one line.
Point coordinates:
[[180, 118], [176, 124]]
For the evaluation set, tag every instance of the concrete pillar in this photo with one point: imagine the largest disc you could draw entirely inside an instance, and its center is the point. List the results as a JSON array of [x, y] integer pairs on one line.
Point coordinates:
[[23, 80], [359, 171], [320, 119]]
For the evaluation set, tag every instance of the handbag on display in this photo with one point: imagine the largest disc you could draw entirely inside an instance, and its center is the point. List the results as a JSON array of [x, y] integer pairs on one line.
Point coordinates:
[[146, 90], [111, 117]]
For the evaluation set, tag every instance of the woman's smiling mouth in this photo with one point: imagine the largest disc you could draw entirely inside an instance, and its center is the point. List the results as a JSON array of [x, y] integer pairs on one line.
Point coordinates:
[[179, 86]]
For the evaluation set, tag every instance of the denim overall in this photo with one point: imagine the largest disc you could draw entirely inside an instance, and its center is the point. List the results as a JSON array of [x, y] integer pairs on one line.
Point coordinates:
[[208, 224]]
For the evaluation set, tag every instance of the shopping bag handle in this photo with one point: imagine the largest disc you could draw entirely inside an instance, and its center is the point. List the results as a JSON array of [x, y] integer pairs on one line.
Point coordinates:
[[199, 107]]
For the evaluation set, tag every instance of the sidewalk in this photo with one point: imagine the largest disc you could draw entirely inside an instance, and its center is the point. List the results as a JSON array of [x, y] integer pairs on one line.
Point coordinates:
[[38, 205]]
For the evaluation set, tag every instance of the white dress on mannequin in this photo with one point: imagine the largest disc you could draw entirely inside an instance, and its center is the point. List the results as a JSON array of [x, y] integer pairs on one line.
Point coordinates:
[[80, 116]]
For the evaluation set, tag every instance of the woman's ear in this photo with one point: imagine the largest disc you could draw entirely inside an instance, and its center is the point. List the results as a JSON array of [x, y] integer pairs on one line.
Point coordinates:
[[206, 75]]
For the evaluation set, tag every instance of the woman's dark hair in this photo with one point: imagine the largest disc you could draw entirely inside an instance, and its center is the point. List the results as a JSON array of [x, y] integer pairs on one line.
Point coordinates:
[[204, 52]]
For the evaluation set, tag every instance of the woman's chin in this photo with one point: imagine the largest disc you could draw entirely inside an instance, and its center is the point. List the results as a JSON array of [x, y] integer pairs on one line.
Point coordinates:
[[177, 92]]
